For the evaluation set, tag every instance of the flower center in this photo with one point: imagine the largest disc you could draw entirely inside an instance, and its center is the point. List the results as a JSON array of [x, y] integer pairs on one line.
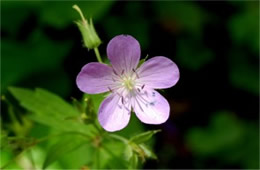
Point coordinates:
[[128, 83]]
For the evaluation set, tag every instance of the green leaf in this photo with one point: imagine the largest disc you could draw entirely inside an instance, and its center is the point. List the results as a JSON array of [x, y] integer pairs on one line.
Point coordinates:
[[148, 152], [143, 137], [96, 99], [142, 61], [62, 147], [128, 152], [133, 163], [50, 110]]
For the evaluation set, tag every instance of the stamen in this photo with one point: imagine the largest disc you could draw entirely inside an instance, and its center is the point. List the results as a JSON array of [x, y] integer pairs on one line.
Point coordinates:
[[135, 73], [143, 86], [122, 72], [152, 103], [122, 100], [114, 71], [139, 105], [110, 89]]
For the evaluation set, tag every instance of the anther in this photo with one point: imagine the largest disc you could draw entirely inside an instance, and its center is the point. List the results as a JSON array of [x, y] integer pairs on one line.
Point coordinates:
[[115, 72], [122, 72], [135, 73], [152, 103], [122, 100], [143, 86], [110, 89]]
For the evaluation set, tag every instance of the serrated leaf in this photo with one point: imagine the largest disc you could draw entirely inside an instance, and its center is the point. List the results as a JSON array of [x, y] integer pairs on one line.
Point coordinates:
[[51, 110], [62, 147], [143, 137]]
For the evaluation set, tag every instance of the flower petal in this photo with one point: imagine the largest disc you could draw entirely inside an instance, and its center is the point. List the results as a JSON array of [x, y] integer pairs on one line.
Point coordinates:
[[151, 107], [95, 78], [113, 115], [158, 73], [124, 53]]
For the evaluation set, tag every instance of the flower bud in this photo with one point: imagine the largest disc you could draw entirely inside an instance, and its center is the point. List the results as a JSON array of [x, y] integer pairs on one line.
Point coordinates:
[[90, 37]]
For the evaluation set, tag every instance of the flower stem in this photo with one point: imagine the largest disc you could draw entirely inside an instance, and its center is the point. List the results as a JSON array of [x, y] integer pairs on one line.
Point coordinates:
[[98, 55]]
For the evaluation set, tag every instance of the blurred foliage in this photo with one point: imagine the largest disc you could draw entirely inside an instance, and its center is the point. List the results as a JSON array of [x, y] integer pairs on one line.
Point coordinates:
[[134, 24], [182, 16], [228, 138], [47, 11], [38, 54], [244, 26], [192, 54], [243, 74]]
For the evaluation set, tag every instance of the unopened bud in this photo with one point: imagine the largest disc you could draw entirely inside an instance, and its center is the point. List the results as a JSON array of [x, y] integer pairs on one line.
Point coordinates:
[[90, 37]]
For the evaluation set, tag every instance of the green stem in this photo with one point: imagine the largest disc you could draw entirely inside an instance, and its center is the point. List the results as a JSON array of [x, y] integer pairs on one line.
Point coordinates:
[[98, 55]]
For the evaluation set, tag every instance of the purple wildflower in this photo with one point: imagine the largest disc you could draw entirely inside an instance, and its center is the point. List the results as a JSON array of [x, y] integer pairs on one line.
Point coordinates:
[[131, 88]]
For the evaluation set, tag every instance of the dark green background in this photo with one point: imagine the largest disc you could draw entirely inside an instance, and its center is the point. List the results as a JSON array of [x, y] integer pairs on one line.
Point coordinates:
[[214, 120]]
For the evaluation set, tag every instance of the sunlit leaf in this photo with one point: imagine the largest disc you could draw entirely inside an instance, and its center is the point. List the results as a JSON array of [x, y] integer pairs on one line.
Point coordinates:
[[65, 145], [51, 110], [112, 155]]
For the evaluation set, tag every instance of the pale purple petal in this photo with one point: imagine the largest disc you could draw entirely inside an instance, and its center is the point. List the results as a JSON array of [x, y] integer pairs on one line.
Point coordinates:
[[124, 53], [151, 107], [95, 78], [113, 114], [158, 73]]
